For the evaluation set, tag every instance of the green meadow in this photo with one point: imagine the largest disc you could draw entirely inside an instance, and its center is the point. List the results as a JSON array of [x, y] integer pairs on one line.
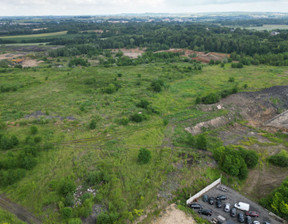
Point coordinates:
[[70, 98]]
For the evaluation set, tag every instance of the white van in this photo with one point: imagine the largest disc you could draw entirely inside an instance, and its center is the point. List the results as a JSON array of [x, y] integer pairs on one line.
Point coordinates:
[[242, 206]]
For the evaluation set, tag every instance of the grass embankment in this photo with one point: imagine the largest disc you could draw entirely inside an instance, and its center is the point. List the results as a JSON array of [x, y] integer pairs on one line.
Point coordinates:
[[114, 147]]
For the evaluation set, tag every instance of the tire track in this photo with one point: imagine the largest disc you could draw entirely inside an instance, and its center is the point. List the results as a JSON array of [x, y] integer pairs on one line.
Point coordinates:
[[18, 210]]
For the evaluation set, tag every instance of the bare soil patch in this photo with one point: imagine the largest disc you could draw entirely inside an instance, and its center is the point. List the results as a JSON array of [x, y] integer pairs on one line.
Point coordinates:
[[200, 56], [172, 215], [131, 53]]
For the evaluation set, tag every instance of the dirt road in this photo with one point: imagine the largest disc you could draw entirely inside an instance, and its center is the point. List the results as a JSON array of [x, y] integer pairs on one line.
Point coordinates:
[[18, 210]]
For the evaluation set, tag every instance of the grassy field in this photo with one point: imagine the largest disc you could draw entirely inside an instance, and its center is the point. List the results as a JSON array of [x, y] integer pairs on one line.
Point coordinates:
[[34, 35], [267, 27], [78, 92]]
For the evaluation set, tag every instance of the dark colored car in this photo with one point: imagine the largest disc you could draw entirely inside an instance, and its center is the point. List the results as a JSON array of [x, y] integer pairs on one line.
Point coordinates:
[[266, 222], [233, 212], [211, 200], [218, 203], [195, 206], [252, 214], [248, 220], [240, 217], [207, 212], [221, 197], [205, 198]]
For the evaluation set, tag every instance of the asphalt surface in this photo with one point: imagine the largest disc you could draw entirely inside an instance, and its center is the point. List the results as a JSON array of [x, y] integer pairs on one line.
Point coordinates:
[[232, 198]]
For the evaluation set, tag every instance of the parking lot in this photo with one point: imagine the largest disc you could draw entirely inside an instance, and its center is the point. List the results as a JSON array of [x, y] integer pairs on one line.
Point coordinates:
[[232, 198]]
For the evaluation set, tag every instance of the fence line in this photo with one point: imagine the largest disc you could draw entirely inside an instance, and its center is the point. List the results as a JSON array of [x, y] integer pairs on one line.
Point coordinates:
[[210, 186]]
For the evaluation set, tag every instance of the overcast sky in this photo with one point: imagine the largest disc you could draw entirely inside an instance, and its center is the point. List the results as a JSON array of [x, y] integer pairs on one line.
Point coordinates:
[[100, 7]]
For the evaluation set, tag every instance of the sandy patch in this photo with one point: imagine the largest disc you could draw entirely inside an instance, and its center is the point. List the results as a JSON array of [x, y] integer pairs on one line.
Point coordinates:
[[172, 215], [30, 63], [131, 53]]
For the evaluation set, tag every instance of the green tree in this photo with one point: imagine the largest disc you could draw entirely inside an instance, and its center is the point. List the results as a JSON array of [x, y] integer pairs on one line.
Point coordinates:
[[144, 156], [33, 130]]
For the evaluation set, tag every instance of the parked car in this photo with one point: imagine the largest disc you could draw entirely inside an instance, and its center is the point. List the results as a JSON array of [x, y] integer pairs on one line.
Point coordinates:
[[242, 206], [248, 220], [207, 212], [221, 197], [205, 198], [256, 222], [240, 217], [211, 200], [266, 222], [227, 207], [233, 212], [218, 203], [252, 214], [195, 206]]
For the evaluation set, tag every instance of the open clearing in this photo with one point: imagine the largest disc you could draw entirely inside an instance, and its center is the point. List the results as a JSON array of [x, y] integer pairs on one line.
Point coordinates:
[[34, 35], [172, 215]]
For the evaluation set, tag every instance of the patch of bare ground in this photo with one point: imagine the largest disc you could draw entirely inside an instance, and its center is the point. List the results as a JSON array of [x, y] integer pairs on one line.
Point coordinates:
[[262, 181], [28, 62], [199, 56], [172, 215], [131, 53]]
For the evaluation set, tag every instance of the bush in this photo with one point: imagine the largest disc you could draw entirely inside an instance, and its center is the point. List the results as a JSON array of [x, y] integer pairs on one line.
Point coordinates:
[[37, 139], [107, 218], [144, 156], [250, 157], [97, 177], [10, 176], [111, 88], [231, 79], [67, 186], [33, 130], [210, 99], [66, 212], [5, 143], [143, 104], [201, 142], [124, 121], [138, 117], [280, 159], [157, 85], [92, 124]]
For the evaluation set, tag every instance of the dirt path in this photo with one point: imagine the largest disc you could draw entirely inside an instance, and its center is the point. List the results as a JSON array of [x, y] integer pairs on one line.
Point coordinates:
[[172, 215], [18, 210]]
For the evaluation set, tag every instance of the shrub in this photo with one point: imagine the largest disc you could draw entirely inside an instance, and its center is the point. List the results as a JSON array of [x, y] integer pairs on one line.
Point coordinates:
[[280, 159], [157, 85], [231, 79], [33, 130], [66, 212], [5, 143], [111, 88], [210, 99], [143, 104], [124, 121], [201, 142], [138, 117], [37, 139], [92, 124], [250, 157], [144, 156], [67, 186]]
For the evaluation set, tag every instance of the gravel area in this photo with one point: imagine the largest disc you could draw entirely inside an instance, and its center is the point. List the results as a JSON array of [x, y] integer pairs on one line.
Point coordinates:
[[232, 198]]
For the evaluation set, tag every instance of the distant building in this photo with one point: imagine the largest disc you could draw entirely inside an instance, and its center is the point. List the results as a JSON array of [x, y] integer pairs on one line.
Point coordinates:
[[274, 33]]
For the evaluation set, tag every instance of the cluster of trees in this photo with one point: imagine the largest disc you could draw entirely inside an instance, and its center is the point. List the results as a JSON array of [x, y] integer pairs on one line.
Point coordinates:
[[215, 97], [235, 162], [277, 200], [78, 62], [13, 164]]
